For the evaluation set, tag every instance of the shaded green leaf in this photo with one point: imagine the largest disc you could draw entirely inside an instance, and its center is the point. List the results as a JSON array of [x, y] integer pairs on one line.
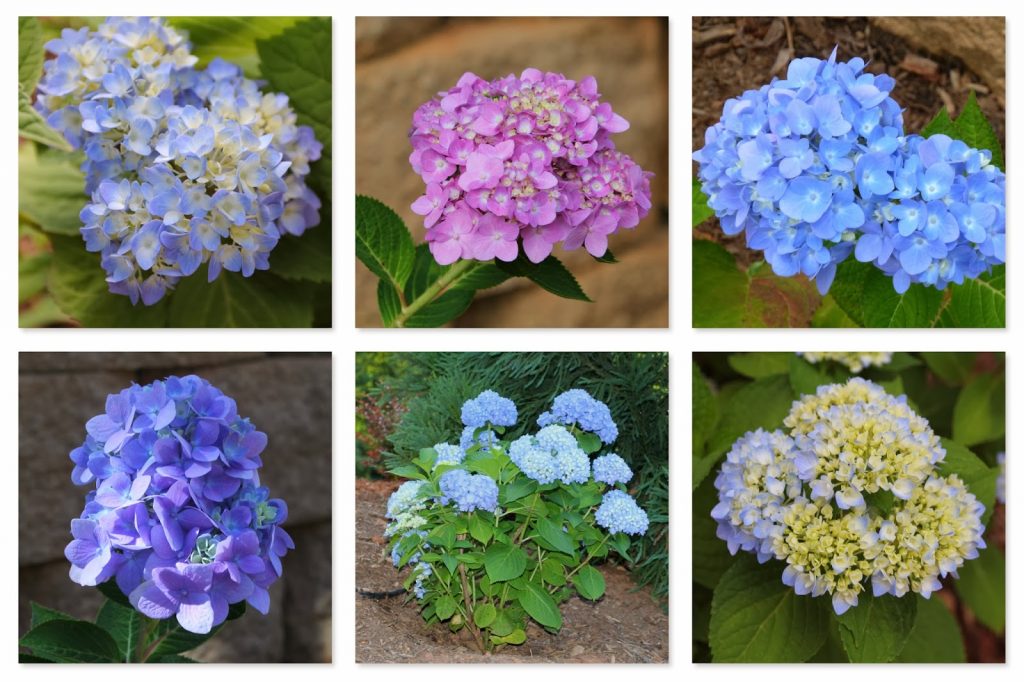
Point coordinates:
[[711, 558], [953, 368], [304, 258], [388, 302], [441, 310], [705, 410], [758, 365], [936, 635], [51, 192], [124, 624], [979, 478], [539, 605], [41, 614], [231, 300], [30, 53], [830, 315], [875, 630], [982, 586], [71, 641], [231, 38], [32, 126], [504, 562], [980, 411]]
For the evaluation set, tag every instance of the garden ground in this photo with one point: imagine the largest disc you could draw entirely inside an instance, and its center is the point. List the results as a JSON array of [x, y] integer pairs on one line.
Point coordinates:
[[625, 626]]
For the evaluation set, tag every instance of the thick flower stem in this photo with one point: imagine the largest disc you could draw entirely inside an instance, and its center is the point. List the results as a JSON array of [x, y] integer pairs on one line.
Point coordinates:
[[454, 274]]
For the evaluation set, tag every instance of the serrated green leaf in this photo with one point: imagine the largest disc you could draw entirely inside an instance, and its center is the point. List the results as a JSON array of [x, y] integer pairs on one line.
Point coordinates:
[[554, 535], [168, 638], [978, 302], [388, 302], [71, 641], [504, 562], [589, 583], [536, 601], [608, 257], [711, 558], [481, 530], [442, 310], [701, 210], [763, 403], [875, 630], [936, 635], [759, 365], [32, 126], [484, 615], [260, 301], [757, 619], [231, 38], [830, 315], [974, 129], [847, 289], [51, 192], [982, 586], [41, 614], [941, 124], [383, 243], [304, 258], [484, 276], [918, 306], [980, 411], [30, 53], [705, 410], [124, 624], [550, 274], [445, 607]]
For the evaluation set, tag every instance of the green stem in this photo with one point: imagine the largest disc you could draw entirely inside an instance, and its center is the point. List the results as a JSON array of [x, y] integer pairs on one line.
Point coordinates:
[[589, 557], [455, 273]]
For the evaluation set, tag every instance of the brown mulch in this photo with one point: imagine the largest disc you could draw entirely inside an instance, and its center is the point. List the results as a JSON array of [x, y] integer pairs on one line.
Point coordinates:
[[625, 626]]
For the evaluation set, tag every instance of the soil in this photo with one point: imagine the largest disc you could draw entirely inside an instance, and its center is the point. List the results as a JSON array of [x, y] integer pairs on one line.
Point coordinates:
[[625, 626], [731, 55]]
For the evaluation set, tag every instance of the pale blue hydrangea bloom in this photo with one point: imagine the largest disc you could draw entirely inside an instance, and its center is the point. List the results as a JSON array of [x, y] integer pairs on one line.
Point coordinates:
[[576, 407], [611, 469], [619, 513], [469, 492], [448, 454], [489, 408]]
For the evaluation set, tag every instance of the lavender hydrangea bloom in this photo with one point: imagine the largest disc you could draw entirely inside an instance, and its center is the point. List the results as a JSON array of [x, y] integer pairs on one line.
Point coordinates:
[[489, 408], [177, 516], [576, 407], [185, 166], [619, 513], [525, 161]]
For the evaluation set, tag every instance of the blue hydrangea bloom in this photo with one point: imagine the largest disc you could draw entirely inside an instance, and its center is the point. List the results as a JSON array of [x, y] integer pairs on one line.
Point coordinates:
[[398, 550], [177, 516], [184, 166], [485, 439], [489, 408], [619, 513], [816, 166], [611, 469], [448, 454], [576, 407], [467, 491]]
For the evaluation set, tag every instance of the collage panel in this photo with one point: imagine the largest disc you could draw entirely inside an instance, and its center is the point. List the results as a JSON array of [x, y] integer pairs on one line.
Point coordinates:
[[512, 508], [849, 172], [174, 507], [512, 172], [849, 507], [174, 172]]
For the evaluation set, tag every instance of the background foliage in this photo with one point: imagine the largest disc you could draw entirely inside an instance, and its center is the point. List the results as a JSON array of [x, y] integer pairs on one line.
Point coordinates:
[[743, 612], [634, 386], [60, 283]]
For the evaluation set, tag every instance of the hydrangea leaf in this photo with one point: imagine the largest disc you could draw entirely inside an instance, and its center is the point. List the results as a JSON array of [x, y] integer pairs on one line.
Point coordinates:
[[71, 641], [701, 210], [260, 301], [758, 365], [953, 368], [711, 558], [124, 624], [980, 411], [974, 129], [307, 257], [42, 614], [848, 288], [554, 535], [30, 53], [388, 302], [231, 38], [804, 377], [763, 403], [936, 635], [883, 307], [51, 192], [483, 276], [32, 126], [383, 243], [589, 583], [479, 529], [589, 442], [757, 619], [942, 124], [424, 272], [876, 629], [830, 316], [705, 410], [112, 592], [169, 638], [444, 607], [441, 310], [77, 284], [832, 650], [484, 615], [173, 658], [979, 302], [550, 274], [608, 257], [536, 601], [982, 586], [504, 562], [517, 489]]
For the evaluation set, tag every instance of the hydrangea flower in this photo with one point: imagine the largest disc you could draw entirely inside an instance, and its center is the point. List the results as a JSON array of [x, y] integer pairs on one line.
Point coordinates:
[[576, 407], [619, 513], [467, 491], [489, 408], [855, 362], [408, 496], [177, 516], [551, 454], [484, 439], [524, 162], [799, 497], [816, 166], [611, 469], [448, 454], [184, 166]]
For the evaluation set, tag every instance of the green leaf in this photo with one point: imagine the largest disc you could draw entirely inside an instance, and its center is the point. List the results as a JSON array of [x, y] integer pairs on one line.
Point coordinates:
[[231, 38], [757, 619], [231, 300], [758, 365], [762, 403], [441, 310], [830, 315], [304, 258], [111, 591], [484, 615], [979, 415], [504, 562], [982, 586], [554, 535], [705, 410], [883, 307], [425, 271], [941, 124], [589, 442], [589, 583], [480, 529], [51, 192], [608, 257], [517, 636], [42, 614], [30, 53], [172, 658], [804, 377], [482, 277], [876, 629], [32, 126], [974, 129], [445, 607], [701, 210], [442, 536], [32, 271], [29, 658], [169, 638], [978, 302], [536, 601], [711, 558], [552, 572], [953, 368], [517, 489], [383, 243], [78, 285], [124, 624], [847, 290], [388, 302], [936, 635], [549, 275], [71, 641]]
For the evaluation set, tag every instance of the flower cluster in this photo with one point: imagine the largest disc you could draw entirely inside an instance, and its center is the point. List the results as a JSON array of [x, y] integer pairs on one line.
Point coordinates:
[[855, 362], [611, 469], [619, 513], [185, 166], [527, 159], [816, 166], [489, 408], [469, 492], [549, 455], [813, 498], [177, 516], [576, 407]]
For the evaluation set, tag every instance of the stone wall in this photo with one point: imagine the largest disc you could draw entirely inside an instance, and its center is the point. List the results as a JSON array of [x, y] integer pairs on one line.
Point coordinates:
[[288, 396], [402, 62]]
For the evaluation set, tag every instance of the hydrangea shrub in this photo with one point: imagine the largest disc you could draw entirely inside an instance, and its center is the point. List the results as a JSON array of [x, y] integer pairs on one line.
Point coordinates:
[[499, 533]]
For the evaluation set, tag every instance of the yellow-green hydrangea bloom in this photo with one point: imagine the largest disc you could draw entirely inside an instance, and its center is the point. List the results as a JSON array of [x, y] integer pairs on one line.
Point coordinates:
[[855, 362]]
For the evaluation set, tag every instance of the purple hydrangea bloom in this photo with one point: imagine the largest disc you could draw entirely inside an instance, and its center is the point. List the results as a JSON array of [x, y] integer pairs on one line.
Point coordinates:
[[177, 515], [523, 163]]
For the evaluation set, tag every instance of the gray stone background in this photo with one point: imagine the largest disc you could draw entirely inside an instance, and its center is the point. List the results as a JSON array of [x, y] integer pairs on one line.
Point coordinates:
[[288, 396], [402, 62]]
